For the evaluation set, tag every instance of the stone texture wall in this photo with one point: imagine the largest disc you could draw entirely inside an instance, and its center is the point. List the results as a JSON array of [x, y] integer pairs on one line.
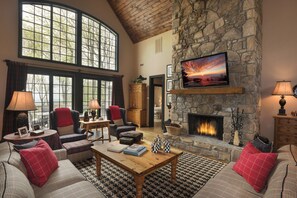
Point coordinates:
[[204, 27]]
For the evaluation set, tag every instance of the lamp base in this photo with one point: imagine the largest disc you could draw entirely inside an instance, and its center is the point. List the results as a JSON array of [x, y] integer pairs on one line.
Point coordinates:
[[22, 120], [282, 112], [93, 113]]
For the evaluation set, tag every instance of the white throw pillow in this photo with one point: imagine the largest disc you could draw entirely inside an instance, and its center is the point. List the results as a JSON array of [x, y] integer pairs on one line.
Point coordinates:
[[118, 122], [65, 130]]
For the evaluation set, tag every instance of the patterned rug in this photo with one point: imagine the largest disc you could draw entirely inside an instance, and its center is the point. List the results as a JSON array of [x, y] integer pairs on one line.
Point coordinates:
[[192, 173]]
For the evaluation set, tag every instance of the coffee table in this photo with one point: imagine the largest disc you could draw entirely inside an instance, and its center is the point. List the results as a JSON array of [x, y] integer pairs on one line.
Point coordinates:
[[139, 167]]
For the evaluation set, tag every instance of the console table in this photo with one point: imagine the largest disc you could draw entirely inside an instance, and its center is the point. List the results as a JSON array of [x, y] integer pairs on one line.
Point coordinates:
[[95, 125]]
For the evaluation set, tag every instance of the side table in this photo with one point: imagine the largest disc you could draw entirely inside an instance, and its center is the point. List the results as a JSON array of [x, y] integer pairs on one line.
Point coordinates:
[[27, 138], [95, 125]]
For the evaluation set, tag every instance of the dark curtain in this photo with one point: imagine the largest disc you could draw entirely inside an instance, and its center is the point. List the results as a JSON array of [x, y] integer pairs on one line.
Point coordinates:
[[16, 81], [117, 92]]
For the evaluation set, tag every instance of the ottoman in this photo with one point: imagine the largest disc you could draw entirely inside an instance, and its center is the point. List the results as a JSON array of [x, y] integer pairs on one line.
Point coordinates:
[[130, 137], [78, 150]]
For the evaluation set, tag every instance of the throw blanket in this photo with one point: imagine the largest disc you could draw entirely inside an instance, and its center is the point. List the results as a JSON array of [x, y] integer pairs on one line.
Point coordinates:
[[64, 117], [115, 112]]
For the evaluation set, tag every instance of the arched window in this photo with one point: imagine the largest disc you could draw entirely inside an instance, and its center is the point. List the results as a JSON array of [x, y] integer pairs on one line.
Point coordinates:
[[57, 33]]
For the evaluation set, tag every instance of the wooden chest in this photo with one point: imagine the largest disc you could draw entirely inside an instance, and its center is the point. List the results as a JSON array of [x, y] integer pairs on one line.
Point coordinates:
[[285, 131]]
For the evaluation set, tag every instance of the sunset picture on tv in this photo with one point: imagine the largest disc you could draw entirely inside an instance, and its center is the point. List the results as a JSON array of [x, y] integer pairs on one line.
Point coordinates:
[[205, 71]]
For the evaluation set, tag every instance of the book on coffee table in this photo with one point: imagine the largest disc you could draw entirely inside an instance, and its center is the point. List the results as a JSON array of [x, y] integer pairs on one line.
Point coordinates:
[[117, 147], [135, 149], [138, 153]]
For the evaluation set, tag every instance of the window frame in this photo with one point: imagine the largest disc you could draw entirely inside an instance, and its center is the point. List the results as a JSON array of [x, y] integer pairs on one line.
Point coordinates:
[[78, 51]]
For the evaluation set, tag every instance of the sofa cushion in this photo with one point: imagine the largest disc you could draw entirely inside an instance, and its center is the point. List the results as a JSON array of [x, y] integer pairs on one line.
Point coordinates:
[[63, 176], [78, 190], [65, 130], [283, 182], [40, 162], [72, 137], [13, 183], [15, 160], [288, 153], [255, 167], [261, 145], [228, 183], [18, 147]]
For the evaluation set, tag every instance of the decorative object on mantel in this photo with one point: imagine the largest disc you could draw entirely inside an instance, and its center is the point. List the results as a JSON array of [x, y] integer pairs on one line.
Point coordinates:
[[282, 88], [139, 79], [237, 125]]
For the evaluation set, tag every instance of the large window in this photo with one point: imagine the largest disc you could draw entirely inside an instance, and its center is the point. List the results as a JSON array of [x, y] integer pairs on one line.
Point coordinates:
[[61, 34], [53, 90], [39, 85]]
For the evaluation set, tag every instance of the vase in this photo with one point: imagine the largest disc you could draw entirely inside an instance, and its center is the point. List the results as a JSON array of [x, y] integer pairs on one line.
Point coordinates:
[[236, 140]]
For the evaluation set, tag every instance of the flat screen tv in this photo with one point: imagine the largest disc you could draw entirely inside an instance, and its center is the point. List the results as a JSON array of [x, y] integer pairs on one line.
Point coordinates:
[[205, 71]]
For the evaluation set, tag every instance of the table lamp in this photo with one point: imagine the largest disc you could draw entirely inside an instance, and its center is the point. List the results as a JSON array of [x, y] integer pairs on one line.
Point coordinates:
[[22, 101], [94, 105], [282, 88]]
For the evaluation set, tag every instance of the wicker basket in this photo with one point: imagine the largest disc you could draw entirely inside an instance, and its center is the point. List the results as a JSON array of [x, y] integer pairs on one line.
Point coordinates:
[[172, 130]]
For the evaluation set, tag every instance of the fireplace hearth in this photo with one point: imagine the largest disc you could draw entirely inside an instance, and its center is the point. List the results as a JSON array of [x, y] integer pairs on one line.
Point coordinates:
[[206, 125]]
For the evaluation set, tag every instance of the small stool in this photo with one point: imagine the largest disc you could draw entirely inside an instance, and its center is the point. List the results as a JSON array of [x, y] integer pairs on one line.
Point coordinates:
[[78, 150], [135, 135]]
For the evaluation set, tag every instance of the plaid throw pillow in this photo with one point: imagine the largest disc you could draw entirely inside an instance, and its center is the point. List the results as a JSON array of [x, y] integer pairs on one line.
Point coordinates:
[[255, 166], [40, 162]]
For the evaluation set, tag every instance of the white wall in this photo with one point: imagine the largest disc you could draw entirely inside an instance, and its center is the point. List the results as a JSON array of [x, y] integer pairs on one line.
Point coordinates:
[[279, 57], [99, 9], [154, 63]]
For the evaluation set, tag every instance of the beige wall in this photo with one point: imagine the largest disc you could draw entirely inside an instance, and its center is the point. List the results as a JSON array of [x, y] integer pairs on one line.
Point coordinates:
[[279, 57], [153, 63], [99, 9]]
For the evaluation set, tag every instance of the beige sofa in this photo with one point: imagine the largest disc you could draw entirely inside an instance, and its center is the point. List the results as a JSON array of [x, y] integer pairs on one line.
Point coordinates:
[[281, 183], [66, 181]]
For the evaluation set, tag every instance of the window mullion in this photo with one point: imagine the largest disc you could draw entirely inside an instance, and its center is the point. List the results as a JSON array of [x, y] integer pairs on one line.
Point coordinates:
[[79, 38], [51, 35]]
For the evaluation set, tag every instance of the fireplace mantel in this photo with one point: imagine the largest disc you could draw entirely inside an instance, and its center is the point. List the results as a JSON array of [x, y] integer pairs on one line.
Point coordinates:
[[211, 90]]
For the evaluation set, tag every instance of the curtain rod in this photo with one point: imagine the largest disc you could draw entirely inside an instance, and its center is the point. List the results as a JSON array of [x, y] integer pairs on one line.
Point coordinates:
[[80, 70]]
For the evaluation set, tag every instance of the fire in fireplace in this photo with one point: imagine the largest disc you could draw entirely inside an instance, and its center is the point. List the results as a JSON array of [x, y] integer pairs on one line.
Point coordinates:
[[207, 125]]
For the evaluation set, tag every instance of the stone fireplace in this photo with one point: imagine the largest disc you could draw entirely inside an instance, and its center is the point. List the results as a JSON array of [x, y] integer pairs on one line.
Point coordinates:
[[202, 28], [206, 125]]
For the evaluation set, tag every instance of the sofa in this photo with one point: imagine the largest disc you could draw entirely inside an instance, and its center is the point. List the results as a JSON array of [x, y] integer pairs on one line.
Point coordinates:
[[282, 181], [66, 181]]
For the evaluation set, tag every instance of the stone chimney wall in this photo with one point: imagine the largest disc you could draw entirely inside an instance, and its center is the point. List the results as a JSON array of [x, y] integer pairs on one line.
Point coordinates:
[[204, 27]]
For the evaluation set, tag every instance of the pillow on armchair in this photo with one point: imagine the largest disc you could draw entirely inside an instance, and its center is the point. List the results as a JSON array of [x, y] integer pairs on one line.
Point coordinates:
[[66, 130]]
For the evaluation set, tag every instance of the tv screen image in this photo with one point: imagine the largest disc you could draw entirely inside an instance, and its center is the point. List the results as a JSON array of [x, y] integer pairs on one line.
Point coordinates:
[[205, 71]]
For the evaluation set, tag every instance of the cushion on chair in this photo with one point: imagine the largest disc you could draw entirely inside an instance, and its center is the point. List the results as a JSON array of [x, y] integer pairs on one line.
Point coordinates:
[[40, 162], [13, 183], [77, 146], [66, 130], [72, 137], [119, 122]]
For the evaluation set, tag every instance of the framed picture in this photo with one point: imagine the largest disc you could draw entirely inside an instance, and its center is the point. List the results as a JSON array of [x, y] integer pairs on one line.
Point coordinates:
[[168, 98], [36, 127], [169, 71], [23, 131], [169, 84]]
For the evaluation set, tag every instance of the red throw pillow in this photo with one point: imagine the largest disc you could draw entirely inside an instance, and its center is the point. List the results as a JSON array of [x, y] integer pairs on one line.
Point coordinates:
[[40, 162], [255, 166]]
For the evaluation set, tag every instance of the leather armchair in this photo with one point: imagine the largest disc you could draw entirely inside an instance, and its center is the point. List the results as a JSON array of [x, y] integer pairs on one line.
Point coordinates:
[[116, 130], [78, 133]]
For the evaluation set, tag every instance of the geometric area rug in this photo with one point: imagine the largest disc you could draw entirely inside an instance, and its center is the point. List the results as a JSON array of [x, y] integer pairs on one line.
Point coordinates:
[[192, 173]]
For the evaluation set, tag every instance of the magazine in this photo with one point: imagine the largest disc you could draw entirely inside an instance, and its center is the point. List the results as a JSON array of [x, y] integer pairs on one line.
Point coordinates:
[[129, 152], [117, 148]]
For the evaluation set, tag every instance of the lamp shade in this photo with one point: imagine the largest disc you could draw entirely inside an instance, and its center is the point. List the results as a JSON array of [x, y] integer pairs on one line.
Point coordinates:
[[21, 101], [283, 88], [93, 104]]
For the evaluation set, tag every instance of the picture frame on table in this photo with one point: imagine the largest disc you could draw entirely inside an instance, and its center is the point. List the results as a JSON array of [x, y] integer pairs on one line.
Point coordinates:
[[169, 71], [36, 127], [168, 98], [169, 83], [23, 131]]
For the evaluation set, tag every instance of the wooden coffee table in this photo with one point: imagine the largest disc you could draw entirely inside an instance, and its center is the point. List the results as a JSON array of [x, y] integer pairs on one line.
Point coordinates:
[[139, 167]]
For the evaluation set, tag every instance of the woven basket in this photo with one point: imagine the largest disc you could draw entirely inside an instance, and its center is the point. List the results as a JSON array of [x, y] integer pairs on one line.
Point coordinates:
[[174, 130]]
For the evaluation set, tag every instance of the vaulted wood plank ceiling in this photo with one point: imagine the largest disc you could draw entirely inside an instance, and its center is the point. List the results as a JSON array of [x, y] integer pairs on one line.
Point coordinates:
[[143, 19]]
